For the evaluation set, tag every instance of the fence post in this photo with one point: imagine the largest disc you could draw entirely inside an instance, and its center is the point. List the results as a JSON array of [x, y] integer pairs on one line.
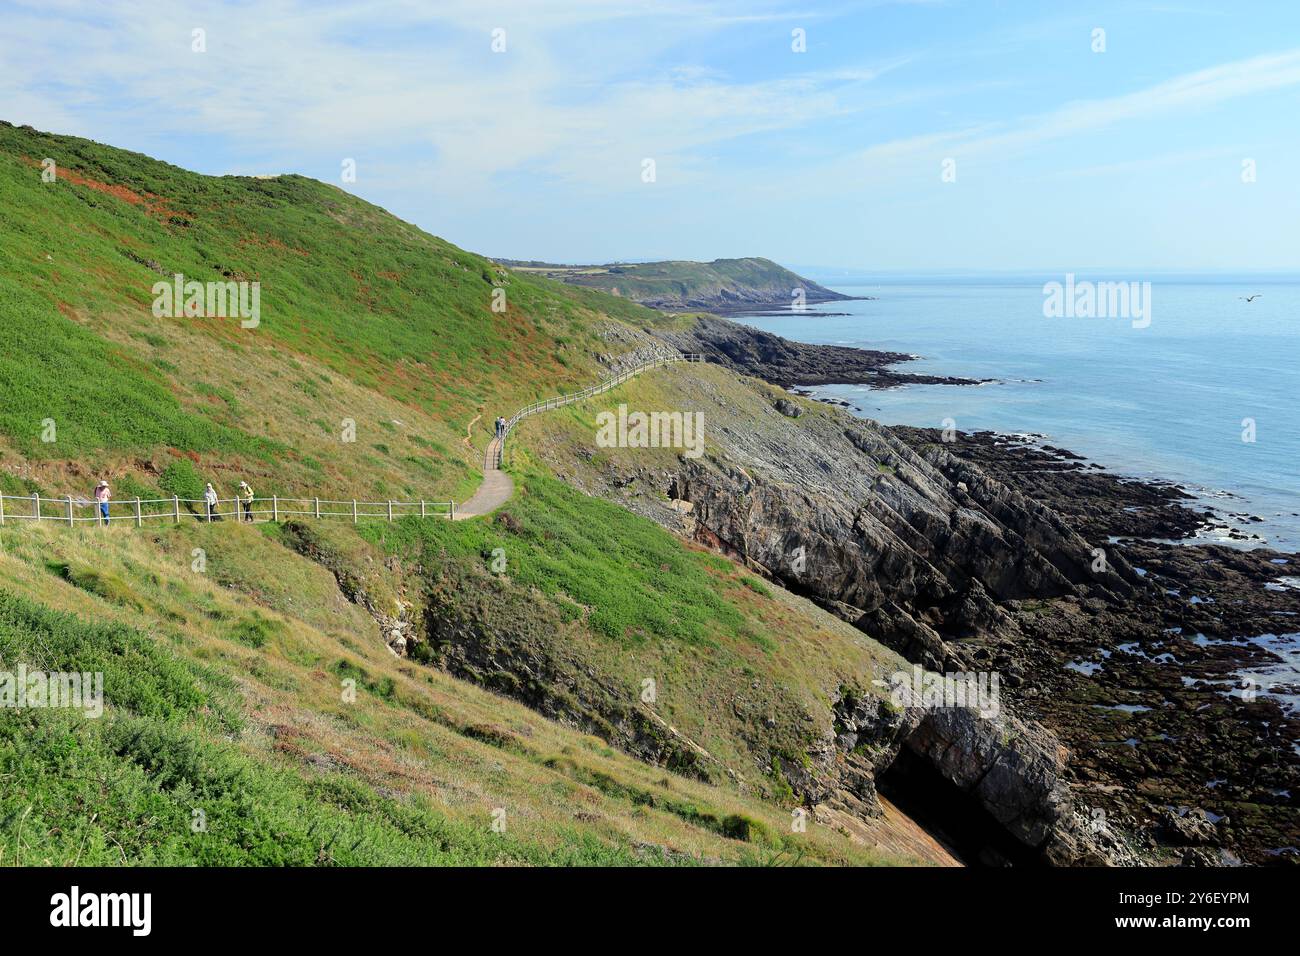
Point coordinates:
[[69, 511], [139, 520], [390, 511], [421, 507], [453, 510], [354, 510], [176, 508], [2, 509], [275, 507], [317, 500], [36, 507]]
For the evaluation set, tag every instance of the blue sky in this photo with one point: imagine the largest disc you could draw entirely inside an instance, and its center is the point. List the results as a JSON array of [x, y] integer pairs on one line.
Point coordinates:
[[1065, 158]]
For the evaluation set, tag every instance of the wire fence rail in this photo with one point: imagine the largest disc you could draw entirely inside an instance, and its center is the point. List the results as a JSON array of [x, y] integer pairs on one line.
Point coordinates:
[[71, 510], [605, 386]]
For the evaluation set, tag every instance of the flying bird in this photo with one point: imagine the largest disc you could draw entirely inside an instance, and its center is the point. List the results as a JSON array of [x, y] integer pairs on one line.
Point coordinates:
[[1250, 298]]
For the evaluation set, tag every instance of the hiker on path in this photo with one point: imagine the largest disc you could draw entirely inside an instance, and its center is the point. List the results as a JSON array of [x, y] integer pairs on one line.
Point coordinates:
[[246, 498], [210, 496], [102, 495], [501, 427]]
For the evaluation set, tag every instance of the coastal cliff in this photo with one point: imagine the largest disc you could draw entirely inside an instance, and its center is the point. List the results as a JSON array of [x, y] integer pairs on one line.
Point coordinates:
[[721, 286], [930, 549]]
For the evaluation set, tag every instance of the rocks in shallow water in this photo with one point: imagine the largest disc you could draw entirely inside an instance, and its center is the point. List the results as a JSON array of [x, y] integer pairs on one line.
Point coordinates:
[[1193, 828], [1097, 505], [1210, 856]]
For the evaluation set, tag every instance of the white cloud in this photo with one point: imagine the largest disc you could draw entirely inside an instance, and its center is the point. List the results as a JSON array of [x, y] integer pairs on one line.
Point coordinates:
[[549, 136], [1199, 89], [285, 78]]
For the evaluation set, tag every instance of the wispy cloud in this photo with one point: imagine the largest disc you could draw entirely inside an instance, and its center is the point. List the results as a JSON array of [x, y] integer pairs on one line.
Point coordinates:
[[286, 77], [537, 151], [1199, 89]]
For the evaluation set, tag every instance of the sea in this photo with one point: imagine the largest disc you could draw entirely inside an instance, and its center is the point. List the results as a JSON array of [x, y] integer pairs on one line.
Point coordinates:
[[1186, 382]]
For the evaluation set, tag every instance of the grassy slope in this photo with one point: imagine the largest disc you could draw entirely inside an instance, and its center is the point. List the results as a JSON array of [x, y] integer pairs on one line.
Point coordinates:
[[791, 655], [224, 692], [224, 685], [364, 317], [743, 670]]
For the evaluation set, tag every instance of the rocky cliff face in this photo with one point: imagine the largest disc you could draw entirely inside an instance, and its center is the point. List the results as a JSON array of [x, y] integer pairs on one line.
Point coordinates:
[[918, 549], [1118, 656], [1016, 771], [921, 562]]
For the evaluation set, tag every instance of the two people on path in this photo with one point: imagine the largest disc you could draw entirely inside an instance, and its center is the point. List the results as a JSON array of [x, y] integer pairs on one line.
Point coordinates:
[[102, 496], [244, 501], [501, 427]]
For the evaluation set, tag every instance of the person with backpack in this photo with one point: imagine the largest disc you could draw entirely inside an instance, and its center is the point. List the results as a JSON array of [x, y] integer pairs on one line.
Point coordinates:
[[210, 497], [102, 495], [246, 499]]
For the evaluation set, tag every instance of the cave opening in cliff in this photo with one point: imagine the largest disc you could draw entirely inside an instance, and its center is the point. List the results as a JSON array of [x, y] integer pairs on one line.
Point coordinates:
[[953, 817]]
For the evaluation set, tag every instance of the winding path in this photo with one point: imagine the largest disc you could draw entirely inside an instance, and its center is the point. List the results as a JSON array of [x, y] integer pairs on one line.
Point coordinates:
[[495, 490], [497, 487]]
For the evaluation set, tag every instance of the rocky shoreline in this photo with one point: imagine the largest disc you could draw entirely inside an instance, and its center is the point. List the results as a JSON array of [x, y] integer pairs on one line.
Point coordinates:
[[1178, 724], [1148, 713], [787, 363]]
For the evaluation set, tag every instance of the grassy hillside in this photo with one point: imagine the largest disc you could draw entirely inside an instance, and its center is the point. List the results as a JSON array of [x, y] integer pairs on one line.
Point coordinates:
[[248, 677], [682, 284], [608, 601], [363, 318], [225, 695]]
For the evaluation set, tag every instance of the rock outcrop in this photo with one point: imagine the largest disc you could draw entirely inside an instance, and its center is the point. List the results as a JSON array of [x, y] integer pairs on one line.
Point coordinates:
[[919, 549], [399, 633], [883, 535], [750, 351]]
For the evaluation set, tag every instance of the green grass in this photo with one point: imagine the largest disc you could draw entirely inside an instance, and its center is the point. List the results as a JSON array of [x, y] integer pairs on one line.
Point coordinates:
[[255, 630], [100, 583], [159, 755], [16, 486], [182, 480], [53, 370], [341, 279], [636, 579], [213, 707], [362, 315]]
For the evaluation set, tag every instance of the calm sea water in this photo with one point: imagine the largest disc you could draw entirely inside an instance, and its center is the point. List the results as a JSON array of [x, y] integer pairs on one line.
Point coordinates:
[[1165, 401]]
